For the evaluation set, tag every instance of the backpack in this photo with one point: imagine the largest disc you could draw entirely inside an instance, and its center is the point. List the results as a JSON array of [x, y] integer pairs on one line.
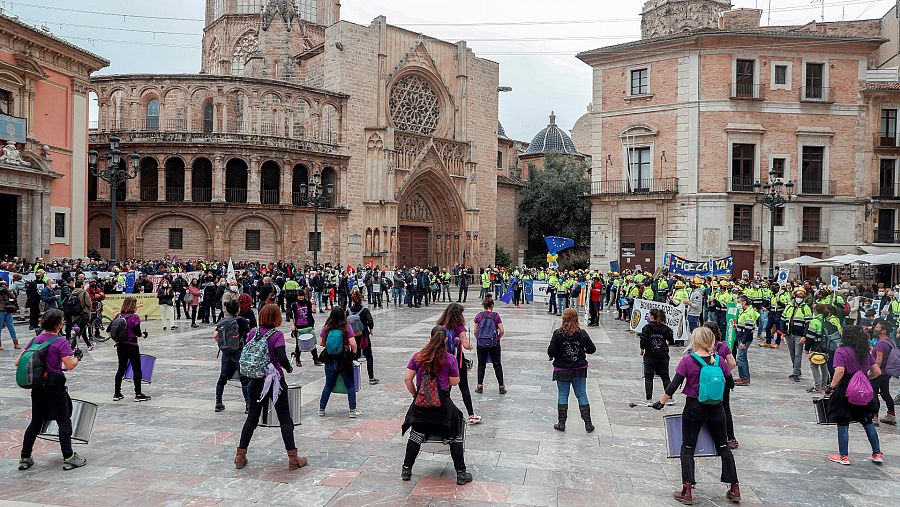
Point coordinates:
[[255, 357], [72, 305], [859, 390], [831, 339], [118, 329], [712, 381], [229, 337], [356, 323], [30, 372], [428, 395], [892, 362], [334, 343], [452, 342], [487, 331]]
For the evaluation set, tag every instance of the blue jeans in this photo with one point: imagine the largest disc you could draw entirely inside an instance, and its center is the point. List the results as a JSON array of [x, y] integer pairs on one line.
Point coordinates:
[[398, 295], [332, 370], [579, 385], [693, 322], [742, 364], [317, 301], [762, 322], [6, 320], [844, 439]]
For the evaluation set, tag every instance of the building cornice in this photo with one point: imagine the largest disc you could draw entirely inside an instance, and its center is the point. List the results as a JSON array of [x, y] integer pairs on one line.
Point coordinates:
[[209, 79]]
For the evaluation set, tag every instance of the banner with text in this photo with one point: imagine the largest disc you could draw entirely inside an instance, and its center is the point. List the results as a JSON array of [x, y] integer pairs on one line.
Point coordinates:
[[539, 290], [676, 317], [681, 266], [147, 305]]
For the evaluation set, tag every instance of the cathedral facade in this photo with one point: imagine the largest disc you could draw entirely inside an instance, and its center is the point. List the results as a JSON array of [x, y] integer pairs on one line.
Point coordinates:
[[396, 130]]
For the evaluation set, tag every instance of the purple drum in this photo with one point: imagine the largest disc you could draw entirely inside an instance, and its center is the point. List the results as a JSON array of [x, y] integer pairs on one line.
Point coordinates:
[[147, 363], [705, 445], [340, 387]]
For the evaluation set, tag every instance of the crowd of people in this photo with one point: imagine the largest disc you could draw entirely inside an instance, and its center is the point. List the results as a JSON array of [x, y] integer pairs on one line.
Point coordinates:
[[845, 335]]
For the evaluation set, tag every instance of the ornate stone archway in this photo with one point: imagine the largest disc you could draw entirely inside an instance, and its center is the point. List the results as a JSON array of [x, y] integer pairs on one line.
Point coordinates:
[[430, 219]]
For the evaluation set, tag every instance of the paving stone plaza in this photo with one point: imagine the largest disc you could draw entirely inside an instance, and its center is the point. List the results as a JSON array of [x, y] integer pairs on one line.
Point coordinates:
[[175, 450]]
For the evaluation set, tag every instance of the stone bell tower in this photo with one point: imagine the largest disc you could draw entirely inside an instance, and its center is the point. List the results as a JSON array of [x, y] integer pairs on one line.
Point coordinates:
[[666, 17]]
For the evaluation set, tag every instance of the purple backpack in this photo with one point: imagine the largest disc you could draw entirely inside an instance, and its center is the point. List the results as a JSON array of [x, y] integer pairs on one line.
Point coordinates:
[[859, 391], [892, 362]]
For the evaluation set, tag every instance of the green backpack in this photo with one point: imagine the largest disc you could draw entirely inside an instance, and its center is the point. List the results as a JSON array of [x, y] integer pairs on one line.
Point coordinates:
[[31, 372], [712, 381]]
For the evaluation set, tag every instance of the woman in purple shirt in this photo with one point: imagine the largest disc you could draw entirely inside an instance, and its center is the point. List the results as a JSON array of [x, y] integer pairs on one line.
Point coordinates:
[[127, 350], [882, 384], [446, 420], [50, 401], [696, 414], [852, 356], [340, 364]]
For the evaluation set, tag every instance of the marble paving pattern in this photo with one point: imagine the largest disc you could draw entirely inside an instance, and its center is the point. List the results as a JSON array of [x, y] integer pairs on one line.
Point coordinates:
[[175, 450]]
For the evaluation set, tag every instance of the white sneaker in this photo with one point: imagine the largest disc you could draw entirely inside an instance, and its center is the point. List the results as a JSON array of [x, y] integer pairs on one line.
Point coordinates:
[[321, 412], [474, 419], [354, 414], [670, 402]]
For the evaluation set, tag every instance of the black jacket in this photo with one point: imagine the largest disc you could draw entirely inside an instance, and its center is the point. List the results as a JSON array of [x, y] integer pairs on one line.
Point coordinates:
[[655, 329], [570, 351]]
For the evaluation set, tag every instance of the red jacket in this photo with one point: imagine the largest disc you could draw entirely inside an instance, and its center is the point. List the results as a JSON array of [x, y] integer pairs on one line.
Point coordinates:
[[596, 291]]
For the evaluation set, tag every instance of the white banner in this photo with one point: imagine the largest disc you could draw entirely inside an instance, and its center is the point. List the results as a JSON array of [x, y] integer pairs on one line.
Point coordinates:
[[676, 318], [539, 290]]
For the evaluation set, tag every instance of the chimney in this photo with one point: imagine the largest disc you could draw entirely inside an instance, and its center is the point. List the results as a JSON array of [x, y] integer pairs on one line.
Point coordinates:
[[740, 19]]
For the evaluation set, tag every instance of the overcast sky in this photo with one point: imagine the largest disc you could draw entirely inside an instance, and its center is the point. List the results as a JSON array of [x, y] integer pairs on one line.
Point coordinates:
[[543, 73]]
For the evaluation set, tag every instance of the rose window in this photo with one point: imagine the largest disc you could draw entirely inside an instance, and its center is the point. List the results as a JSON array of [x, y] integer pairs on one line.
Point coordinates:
[[414, 105]]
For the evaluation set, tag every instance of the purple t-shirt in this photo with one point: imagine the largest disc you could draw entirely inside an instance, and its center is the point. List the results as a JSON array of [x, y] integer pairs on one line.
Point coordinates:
[[275, 340], [55, 352], [689, 368], [723, 350], [845, 356], [349, 330], [449, 369], [480, 316], [883, 346]]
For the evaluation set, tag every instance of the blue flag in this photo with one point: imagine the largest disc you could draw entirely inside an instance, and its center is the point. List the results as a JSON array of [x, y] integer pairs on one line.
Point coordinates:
[[129, 282], [557, 244], [510, 292]]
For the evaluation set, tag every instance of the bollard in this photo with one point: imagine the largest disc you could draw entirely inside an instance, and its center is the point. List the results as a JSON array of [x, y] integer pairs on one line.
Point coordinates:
[[83, 415]]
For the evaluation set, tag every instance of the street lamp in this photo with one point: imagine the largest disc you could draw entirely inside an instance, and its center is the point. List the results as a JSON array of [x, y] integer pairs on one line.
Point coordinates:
[[773, 194], [319, 196], [117, 170]]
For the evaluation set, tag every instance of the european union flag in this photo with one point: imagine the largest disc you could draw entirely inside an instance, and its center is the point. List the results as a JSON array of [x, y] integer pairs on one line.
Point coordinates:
[[510, 292], [557, 244]]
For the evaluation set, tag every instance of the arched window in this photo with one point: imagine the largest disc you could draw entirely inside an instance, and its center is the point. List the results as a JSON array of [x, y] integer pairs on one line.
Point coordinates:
[[153, 115], [300, 185], [208, 117], [329, 177]]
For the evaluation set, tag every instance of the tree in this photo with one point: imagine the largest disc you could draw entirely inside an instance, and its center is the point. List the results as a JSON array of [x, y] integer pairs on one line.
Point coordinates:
[[502, 258], [552, 202]]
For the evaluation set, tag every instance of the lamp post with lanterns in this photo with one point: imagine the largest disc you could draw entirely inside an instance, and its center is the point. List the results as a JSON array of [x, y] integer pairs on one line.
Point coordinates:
[[117, 171], [318, 197], [773, 194]]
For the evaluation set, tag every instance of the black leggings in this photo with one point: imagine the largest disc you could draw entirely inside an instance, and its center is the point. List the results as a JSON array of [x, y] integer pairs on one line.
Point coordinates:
[[464, 389], [193, 315], [729, 420], [456, 452], [367, 352], [282, 409], [125, 354], [881, 386], [82, 323], [655, 364], [49, 403], [694, 416], [495, 359]]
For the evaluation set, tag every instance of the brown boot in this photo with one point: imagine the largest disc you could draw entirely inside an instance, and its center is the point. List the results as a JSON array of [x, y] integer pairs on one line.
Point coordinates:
[[684, 496], [734, 494], [240, 459], [294, 461]]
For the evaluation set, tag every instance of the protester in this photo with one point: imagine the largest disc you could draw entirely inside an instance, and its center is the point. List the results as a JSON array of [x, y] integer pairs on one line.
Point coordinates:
[[192, 299], [851, 357], [724, 351], [303, 318], [230, 335], [457, 339], [696, 414], [245, 309], [337, 337], [166, 297], [746, 328], [822, 325], [78, 313], [265, 367], [125, 330], [795, 321], [8, 307], [488, 332], [568, 348], [364, 340], [50, 399], [882, 384], [435, 369], [655, 338]]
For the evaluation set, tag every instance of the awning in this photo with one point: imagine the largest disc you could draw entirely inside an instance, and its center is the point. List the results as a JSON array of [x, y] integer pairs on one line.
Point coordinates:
[[870, 249], [803, 260]]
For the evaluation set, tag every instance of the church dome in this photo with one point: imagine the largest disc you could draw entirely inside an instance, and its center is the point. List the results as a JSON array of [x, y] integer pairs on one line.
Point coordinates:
[[551, 139]]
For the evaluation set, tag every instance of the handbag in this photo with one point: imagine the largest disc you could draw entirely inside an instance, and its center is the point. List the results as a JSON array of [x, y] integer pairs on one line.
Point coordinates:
[[428, 395], [188, 298]]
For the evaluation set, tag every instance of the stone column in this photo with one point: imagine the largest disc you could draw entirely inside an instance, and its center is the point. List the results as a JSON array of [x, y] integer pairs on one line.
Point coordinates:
[[287, 182], [161, 182], [218, 179], [188, 183], [36, 222], [133, 187], [253, 181]]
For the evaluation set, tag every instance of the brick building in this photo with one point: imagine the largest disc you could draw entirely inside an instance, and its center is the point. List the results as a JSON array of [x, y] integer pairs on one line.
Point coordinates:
[[686, 120], [43, 142], [403, 126]]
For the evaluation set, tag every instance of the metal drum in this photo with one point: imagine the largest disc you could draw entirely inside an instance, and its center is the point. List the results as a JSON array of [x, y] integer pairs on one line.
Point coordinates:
[[147, 363], [270, 417], [340, 387], [435, 443], [822, 405], [306, 339], [705, 445], [83, 415]]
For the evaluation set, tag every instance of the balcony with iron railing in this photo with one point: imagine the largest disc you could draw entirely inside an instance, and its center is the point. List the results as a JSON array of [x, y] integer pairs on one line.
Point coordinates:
[[200, 194], [887, 236], [656, 187], [820, 94], [236, 195], [884, 141], [299, 199], [746, 91], [743, 234], [740, 184], [814, 235], [883, 190], [816, 187], [149, 193], [174, 194], [269, 196]]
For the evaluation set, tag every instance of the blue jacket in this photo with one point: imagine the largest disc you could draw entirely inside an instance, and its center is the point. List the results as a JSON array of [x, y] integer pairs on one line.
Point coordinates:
[[49, 297]]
